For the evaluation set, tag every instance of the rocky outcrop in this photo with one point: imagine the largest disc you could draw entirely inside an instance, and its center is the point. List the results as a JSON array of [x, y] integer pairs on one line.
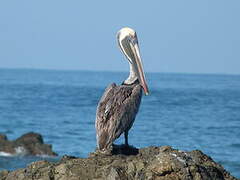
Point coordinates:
[[160, 163], [28, 144]]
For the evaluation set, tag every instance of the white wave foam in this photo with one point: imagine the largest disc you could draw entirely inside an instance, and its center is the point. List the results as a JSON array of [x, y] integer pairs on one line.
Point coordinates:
[[20, 151], [5, 154], [44, 156]]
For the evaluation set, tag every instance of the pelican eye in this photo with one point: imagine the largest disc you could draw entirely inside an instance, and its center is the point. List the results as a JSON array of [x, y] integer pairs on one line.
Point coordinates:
[[134, 41]]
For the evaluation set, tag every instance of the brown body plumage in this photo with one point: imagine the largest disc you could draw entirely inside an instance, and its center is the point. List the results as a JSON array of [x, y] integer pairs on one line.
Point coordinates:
[[119, 105], [116, 112]]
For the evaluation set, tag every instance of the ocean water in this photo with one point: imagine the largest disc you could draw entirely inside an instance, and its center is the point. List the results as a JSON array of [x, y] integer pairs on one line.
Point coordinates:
[[186, 111]]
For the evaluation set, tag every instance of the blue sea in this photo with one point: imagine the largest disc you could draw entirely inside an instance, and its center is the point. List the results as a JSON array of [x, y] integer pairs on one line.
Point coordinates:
[[185, 111]]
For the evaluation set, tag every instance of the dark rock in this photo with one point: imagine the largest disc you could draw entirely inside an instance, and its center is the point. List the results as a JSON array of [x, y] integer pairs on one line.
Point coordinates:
[[3, 137], [66, 157], [125, 150], [160, 163], [28, 144]]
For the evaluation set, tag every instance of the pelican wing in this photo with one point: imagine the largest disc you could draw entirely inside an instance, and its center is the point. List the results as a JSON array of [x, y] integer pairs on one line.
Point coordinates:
[[116, 112]]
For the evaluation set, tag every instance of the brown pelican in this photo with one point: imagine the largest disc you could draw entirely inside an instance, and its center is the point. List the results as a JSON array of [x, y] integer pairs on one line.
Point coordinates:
[[119, 105]]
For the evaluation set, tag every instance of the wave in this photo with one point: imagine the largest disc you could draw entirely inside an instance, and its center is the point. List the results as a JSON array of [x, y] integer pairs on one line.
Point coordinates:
[[5, 154], [235, 145], [21, 151], [46, 156]]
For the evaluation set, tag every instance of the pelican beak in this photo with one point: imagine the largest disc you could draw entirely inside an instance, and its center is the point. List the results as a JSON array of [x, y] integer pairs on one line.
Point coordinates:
[[138, 65]]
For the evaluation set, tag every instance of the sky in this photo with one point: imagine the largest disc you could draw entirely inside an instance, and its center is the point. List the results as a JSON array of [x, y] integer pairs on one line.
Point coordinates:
[[184, 36]]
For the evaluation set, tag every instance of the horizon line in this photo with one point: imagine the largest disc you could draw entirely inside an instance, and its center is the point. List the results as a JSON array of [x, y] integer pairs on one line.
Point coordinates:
[[118, 71]]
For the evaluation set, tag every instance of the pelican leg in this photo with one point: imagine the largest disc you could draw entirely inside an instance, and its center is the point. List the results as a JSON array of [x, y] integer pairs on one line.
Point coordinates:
[[126, 137]]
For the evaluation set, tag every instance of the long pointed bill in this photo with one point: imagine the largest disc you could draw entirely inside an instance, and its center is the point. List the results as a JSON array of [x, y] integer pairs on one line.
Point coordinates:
[[139, 68]]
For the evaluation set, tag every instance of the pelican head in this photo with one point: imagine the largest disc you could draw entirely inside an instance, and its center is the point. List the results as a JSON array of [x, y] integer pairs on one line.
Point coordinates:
[[128, 43]]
